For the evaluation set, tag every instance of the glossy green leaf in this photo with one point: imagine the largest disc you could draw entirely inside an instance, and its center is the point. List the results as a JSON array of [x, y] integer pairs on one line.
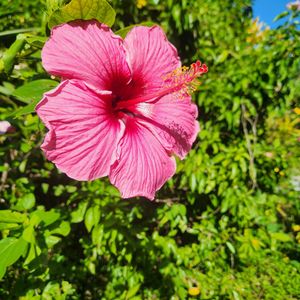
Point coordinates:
[[29, 234], [281, 16], [52, 240], [92, 217], [132, 291], [33, 91], [11, 226], [46, 217], [10, 54], [10, 251], [63, 229], [84, 10], [28, 109], [8, 216], [230, 247], [123, 31], [78, 214], [26, 202]]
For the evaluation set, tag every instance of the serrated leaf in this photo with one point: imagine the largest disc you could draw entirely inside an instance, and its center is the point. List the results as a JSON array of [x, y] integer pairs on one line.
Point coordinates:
[[84, 10]]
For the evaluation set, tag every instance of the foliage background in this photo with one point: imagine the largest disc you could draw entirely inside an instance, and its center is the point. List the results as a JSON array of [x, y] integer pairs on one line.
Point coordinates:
[[225, 227]]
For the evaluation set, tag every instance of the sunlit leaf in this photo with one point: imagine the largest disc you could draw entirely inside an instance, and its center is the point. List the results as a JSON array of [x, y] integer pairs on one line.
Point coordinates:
[[10, 54], [84, 10], [9, 216], [10, 251], [123, 32], [33, 91]]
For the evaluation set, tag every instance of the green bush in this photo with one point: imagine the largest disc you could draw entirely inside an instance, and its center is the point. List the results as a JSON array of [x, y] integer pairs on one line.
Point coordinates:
[[225, 227]]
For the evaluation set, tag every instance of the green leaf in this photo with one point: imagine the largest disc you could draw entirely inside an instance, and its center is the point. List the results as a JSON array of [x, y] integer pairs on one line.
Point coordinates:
[[26, 202], [9, 226], [78, 214], [63, 229], [281, 236], [25, 110], [84, 10], [8, 216], [2, 271], [132, 291], [17, 31], [29, 234], [47, 217], [10, 251], [32, 253], [52, 240], [97, 234], [37, 89], [33, 91], [123, 32], [92, 217], [230, 247], [280, 16], [36, 41], [10, 54]]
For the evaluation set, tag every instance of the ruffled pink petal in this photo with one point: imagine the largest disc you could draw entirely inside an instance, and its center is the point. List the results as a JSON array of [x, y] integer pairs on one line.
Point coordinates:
[[89, 51], [143, 165], [83, 133], [150, 56], [172, 121]]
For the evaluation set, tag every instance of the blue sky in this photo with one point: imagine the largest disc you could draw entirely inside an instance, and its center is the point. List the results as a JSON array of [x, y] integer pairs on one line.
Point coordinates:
[[267, 10]]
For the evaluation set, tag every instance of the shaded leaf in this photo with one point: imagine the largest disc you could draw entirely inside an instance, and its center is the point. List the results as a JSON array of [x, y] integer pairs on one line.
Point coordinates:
[[84, 10]]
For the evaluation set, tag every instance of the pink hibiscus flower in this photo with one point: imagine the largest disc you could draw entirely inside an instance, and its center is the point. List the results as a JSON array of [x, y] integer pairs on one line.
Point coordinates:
[[122, 109]]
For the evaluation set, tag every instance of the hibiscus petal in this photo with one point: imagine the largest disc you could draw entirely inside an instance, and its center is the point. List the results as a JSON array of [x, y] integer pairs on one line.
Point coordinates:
[[86, 50], [172, 121], [150, 56], [143, 165], [83, 132]]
